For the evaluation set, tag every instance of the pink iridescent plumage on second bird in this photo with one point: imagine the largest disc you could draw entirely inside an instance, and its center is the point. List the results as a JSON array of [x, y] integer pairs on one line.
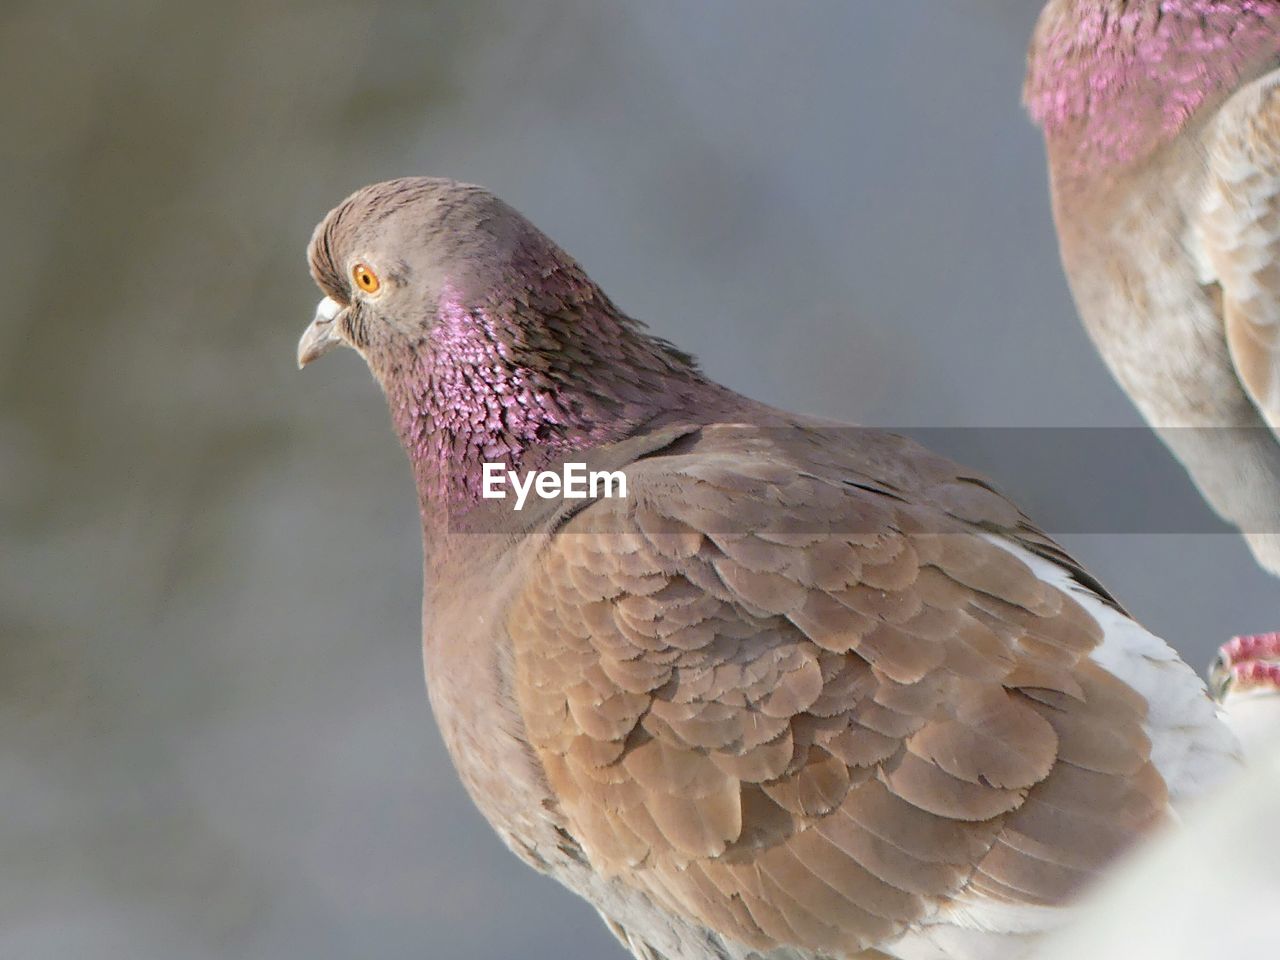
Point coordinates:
[[1113, 80], [1162, 121]]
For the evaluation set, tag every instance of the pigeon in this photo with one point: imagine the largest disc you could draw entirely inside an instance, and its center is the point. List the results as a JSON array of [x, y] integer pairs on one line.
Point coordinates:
[[1162, 124], [795, 689]]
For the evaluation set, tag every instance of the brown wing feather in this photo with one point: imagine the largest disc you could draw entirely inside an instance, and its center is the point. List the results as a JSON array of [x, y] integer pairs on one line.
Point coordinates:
[[798, 728]]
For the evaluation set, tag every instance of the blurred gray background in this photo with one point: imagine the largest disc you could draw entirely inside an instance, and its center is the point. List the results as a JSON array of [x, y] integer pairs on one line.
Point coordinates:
[[214, 741]]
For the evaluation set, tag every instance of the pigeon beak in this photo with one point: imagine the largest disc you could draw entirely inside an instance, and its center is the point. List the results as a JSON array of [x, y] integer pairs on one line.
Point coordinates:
[[322, 334], [1219, 678]]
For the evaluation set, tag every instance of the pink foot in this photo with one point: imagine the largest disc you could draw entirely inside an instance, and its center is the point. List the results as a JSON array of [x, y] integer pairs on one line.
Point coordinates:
[[1246, 664]]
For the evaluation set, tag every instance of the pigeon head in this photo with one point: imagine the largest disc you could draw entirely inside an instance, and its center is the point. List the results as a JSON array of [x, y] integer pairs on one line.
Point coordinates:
[[489, 341], [1111, 81], [394, 256]]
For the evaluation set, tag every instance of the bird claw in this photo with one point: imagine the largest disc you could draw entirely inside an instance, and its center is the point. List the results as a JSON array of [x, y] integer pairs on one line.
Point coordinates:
[[1245, 664]]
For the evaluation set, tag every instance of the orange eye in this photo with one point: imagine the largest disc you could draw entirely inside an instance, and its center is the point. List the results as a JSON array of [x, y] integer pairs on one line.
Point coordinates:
[[365, 278]]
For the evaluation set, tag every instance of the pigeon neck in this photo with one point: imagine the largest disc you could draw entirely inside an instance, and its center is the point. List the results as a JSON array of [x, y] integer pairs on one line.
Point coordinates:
[[523, 382], [1111, 81]]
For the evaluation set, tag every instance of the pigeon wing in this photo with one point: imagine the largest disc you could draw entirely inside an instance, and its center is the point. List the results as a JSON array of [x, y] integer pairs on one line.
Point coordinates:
[[1236, 236], [791, 703]]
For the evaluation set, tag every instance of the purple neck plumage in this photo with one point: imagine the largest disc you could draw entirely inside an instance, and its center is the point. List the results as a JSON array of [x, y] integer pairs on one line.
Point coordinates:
[[525, 380], [1113, 80]]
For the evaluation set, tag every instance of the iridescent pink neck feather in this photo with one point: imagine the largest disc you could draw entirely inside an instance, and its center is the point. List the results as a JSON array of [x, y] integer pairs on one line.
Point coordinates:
[[525, 380], [1111, 81]]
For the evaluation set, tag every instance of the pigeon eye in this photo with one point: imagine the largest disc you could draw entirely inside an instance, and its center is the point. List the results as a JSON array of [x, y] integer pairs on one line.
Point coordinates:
[[365, 278]]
